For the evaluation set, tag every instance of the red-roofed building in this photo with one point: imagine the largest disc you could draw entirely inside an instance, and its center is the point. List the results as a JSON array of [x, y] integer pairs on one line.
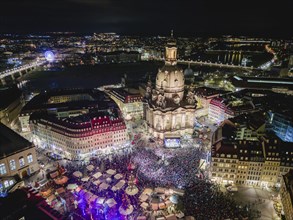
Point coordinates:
[[221, 108], [79, 137]]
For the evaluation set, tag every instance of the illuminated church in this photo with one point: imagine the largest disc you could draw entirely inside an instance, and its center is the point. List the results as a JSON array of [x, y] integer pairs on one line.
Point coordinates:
[[170, 110]]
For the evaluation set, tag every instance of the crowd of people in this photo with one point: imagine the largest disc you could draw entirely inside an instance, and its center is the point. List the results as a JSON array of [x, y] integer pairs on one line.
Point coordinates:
[[168, 168], [160, 167], [118, 162], [179, 168], [205, 200]]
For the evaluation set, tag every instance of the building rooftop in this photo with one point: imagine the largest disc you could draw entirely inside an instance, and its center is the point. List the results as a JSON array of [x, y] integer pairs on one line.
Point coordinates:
[[234, 104], [41, 101], [267, 146], [253, 120], [262, 83], [126, 94], [207, 91], [252, 99], [98, 121], [11, 142]]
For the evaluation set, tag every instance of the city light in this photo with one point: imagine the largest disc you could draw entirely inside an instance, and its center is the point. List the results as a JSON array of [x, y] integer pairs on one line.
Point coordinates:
[[49, 55], [188, 125]]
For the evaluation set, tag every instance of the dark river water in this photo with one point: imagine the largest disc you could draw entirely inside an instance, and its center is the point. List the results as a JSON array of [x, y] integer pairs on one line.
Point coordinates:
[[87, 76], [98, 75]]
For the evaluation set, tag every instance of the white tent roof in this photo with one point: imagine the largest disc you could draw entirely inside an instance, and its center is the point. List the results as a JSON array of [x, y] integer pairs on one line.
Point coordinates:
[[100, 200], [77, 174], [143, 197], [144, 205], [72, 186], [118, 176], [97, 182], [111, 172], [119, 185], [90, 167], [148, 191], [97, 175], [85, 179], [104, 186], [111, 202]]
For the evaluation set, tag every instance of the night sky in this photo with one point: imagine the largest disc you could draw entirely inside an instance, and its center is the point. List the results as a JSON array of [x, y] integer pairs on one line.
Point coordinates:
[[152, 17]]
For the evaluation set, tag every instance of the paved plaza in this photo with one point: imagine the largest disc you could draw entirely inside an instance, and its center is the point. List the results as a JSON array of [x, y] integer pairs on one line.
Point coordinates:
[[257, 199]]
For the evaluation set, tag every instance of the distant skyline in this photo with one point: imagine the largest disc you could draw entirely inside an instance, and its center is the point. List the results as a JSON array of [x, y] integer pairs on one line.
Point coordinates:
[[152, 17]]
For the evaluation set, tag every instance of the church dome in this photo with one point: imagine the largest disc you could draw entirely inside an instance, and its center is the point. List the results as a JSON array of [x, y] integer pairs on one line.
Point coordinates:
[[171, 79], [188, 72]]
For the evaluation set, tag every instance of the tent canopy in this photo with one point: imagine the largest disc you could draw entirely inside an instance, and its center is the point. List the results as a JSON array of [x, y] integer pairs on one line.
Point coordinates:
[[97, 175], [72, 186], [77, 174], [104, 186], [100, 200], [111, 202], [111, 172], [85, 179], [90, 167], [118, 176]]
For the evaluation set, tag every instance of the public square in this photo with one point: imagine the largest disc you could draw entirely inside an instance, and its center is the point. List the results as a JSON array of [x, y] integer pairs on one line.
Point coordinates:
[[98, 188]]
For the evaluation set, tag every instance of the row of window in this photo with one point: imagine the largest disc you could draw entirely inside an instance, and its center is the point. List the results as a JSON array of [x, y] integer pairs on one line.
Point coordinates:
[[223, 160], [12, 164], [7, 183]]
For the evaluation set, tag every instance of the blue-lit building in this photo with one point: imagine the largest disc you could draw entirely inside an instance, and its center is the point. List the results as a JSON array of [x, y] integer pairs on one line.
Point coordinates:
[[282, 124]]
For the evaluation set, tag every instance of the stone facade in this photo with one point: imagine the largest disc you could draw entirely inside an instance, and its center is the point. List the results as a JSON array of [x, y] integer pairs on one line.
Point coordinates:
[[169, 110]]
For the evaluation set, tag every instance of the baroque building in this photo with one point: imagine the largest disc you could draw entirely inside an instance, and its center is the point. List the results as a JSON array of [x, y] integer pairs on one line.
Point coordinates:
[[169, 109]]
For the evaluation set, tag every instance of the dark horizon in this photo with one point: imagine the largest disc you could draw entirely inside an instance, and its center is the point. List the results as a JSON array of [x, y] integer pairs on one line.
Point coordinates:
[[161, 34], [188, 18]]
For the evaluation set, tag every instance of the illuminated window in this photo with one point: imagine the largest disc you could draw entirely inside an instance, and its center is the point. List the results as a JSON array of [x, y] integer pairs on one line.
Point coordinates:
[[6, 183], [12, 164], [21, 161], [2, 169], [30, 158]]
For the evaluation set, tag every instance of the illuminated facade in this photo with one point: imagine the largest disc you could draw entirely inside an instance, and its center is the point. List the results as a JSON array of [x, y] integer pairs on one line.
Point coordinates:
[[79, 137], [222, 108], [18, 157], [10, 105], [129, 102], [286, 193], [60, 102], [204, 96], [282, 124], [169, 111], [254, 160]]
